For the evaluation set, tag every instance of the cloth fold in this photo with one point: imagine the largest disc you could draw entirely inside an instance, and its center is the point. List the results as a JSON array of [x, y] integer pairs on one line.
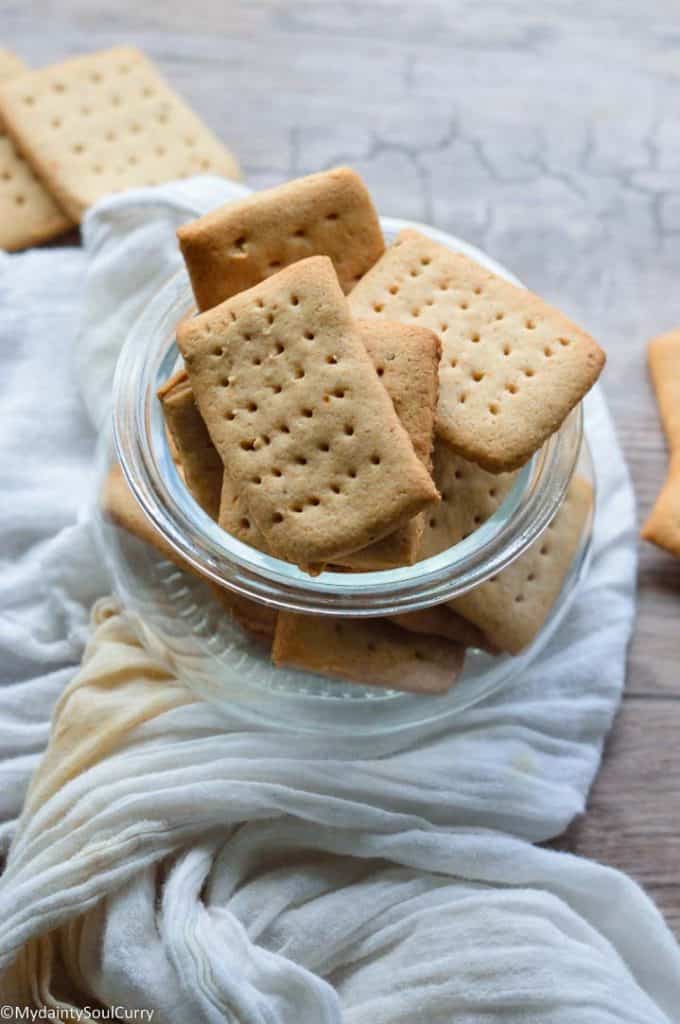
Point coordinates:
[[174, 857]]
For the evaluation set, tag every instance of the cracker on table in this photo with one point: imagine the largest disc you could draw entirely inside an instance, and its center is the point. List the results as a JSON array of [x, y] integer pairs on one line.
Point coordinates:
[[663, 523], [242, 243], [102, 123], [372, 652], [28, 213], [202, 467], [512, 367], [406, 359], [298, 414], [235, 518], [121, 507]]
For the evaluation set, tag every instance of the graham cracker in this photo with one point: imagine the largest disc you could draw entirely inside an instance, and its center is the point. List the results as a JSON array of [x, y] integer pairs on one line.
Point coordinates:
[[106, 122], [442, 621], [244, 242], [28, 214], [302, 423], [202, 467], [235, 518], [512, 607], [469, 496], [10, 65], [512, 366], [121, 507], [663, 523], [406, 359], [372, 652]]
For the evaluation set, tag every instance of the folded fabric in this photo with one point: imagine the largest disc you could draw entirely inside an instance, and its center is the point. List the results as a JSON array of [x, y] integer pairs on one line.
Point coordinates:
[[314, 911]]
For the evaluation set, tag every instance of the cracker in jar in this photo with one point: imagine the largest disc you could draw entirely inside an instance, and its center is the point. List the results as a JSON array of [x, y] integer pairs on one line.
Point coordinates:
[[512, 366], [244, 242], [372, 652], [202, 467], [302, 423], [406, 360], [121, 507]]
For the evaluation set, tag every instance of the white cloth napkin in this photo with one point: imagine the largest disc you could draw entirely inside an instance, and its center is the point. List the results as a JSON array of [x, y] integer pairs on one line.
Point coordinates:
[[300, 880]]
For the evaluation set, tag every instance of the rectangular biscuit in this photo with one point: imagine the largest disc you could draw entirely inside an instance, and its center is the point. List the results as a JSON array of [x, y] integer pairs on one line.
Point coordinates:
[[512, 607], [663, 523], [244, 242], [28, 213], [234, 516], [512, 367], [406, 359], [469, 496], [440, 620], [302, 423], [106, 122], [120, 506], [372, 652], [202, 467]]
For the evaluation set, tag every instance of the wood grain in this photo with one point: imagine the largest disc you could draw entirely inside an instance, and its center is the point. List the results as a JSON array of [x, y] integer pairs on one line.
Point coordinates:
[[550, 139]]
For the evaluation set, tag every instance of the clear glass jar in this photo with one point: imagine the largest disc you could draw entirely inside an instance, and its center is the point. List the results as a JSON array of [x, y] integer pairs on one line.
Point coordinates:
[[178, 616]]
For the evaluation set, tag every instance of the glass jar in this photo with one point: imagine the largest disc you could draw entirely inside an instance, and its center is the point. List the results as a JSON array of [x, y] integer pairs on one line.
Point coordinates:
[[177, 615]]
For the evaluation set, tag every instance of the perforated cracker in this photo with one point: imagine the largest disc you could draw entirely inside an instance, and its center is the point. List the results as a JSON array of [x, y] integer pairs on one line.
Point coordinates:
[[406, 360], [240, 244], [512, 367], [235, 516], [28, 214], [663, 523], [201, 465], [106, 122], [372, 652], [442, 621], [512, 607], [10, 65], [120, 505], [469, 496], [302, 423]]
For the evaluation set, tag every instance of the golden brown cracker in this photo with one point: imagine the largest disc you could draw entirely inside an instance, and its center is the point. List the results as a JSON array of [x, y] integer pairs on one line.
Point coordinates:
[[663, 523], [512, 366], [512, 607], [301, 421], [106, 122], [235, 517], [440, 620], [372, 652], [28, 213], [244, 242], [202, 467], [121, 507], [406, 360], [469, 496]]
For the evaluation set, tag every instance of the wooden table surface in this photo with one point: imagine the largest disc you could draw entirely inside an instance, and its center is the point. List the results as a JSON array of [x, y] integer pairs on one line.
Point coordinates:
[[545, 133]]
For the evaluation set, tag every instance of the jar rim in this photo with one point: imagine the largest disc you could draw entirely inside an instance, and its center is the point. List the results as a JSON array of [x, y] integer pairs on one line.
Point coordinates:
[[147, 359]]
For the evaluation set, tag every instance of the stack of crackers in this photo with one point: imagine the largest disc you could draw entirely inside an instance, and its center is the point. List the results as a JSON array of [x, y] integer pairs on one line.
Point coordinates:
[[83, 129], [346, 405]]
